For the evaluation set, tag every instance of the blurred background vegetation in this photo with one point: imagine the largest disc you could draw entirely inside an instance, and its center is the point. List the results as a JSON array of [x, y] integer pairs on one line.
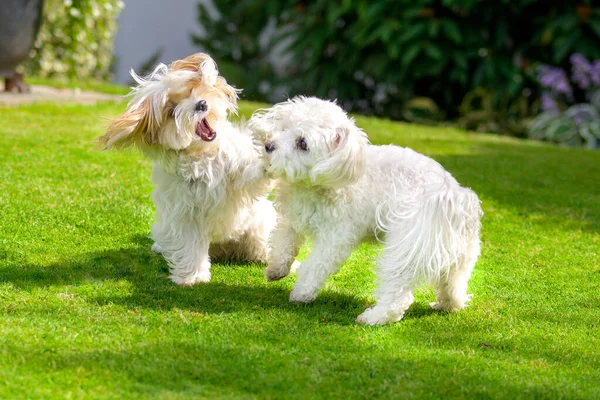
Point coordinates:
[[477, 64], [75, 40], [470, 61]]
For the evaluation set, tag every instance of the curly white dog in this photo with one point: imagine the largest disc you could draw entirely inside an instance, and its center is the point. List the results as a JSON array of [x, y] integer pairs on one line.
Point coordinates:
[[209, 178], [337, 188]]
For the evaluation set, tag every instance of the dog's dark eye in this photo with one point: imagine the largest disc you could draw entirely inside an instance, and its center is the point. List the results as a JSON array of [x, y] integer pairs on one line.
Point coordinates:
[[302, 144]]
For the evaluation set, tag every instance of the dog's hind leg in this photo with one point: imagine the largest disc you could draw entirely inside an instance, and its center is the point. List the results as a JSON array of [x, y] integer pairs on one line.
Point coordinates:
[[451, 290], [394, 294], [464, 215]]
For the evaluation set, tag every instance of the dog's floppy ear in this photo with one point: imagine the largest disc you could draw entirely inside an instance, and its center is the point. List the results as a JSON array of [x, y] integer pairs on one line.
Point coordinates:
[[261, 124], [139, 124], [346, 161], [228, 93], [136, 126]]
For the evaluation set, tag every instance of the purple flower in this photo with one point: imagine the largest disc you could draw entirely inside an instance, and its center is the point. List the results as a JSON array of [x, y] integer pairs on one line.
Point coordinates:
[[580, 61], [555, 79], [595, 73], [581, 70], [548, 103]]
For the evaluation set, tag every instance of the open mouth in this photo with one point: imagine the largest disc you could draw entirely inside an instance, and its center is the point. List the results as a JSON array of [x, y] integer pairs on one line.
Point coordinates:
[[204, 131]]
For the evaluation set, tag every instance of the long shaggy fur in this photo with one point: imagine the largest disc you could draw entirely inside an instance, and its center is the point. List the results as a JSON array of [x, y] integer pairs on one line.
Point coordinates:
[[337, 188], [209, 191]]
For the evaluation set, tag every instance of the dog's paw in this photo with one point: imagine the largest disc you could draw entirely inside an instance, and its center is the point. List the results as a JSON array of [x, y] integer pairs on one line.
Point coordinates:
[[275, 274], [303, 295], [453, 304], [378, 316], [277, 270], [156, 248], [438, 306], [447, 306], [198, 277]]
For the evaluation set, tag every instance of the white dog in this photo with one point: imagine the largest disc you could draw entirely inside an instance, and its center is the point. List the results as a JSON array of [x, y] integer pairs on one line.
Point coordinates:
[[208, 175], [337, 188]]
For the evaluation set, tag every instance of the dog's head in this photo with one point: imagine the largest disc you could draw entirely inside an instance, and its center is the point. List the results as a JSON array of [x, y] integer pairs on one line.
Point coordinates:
[[174, 107], [309, 140]]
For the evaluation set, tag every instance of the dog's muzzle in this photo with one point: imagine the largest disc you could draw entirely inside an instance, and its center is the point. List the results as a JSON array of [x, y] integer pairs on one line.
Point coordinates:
[[270, 147]]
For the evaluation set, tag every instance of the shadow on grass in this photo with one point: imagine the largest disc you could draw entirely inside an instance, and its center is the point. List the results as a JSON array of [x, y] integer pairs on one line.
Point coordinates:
[[202, 366], [148, 275]]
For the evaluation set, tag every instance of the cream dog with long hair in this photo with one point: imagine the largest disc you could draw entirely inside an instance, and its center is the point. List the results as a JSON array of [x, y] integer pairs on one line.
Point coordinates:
[[209, 180]]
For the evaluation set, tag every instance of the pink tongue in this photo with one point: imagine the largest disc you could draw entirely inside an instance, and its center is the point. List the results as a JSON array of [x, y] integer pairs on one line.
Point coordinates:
[[204, 130]]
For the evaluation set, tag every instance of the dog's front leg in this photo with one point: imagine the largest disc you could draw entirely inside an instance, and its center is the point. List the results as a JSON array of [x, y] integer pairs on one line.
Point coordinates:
[[284, 245], [186, 251], [326, 259]]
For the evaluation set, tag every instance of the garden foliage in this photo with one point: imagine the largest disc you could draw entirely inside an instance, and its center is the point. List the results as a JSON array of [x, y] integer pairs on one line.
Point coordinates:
[[571, 106], [75, 39], [416, 60]]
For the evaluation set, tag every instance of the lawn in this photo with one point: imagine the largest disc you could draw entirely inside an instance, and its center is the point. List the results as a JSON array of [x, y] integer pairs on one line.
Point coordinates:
[[87, 310]]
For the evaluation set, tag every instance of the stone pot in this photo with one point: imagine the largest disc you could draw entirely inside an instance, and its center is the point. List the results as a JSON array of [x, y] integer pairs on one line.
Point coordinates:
[[19, 24]]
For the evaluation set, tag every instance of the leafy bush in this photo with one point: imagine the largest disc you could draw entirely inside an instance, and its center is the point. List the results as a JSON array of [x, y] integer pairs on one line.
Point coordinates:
[[472, 59], [75, 40], [234, 42], [571, 108]]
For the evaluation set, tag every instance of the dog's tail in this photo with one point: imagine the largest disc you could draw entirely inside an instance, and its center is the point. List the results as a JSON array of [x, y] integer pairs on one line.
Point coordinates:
[[431, 235]]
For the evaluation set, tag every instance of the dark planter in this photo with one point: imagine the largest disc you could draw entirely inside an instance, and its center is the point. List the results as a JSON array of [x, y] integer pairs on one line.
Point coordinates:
[[19, 24]]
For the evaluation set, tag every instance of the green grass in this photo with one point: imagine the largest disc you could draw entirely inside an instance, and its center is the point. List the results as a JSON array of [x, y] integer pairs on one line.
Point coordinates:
[[86, 310]]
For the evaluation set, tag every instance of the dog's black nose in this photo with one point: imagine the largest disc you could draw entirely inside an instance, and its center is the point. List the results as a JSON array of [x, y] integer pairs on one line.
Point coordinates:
[[201, 105], [269, 147]]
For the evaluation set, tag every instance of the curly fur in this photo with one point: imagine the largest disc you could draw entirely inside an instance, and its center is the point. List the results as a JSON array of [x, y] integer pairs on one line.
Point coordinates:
[[341, 190]]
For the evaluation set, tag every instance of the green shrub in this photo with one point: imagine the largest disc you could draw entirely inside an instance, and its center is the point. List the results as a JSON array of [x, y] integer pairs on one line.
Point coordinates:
[[234, 42], [474, 60], [75, 40]]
